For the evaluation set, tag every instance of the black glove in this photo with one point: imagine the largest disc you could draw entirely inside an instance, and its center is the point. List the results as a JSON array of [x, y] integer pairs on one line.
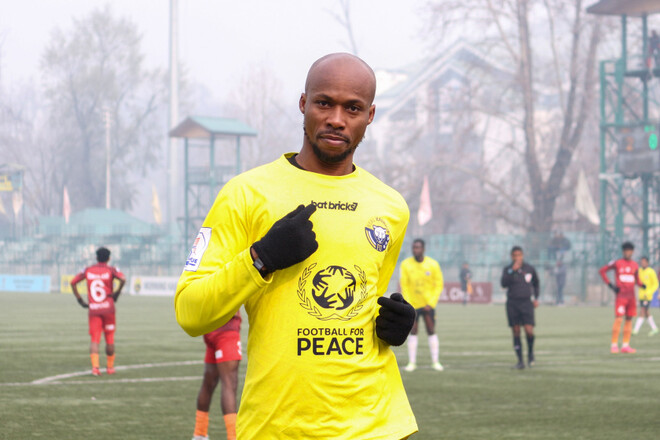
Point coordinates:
[[395, 320], [115, 296], [83, 304], [614, 288], [289, 241], [643, 286]]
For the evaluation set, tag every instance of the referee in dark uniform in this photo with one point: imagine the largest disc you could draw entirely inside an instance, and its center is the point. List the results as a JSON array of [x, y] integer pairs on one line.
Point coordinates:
[[521, 284]]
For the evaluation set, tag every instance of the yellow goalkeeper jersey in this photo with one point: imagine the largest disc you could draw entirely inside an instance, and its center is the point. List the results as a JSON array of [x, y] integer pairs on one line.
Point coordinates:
[[316, 369], [650, 279], [421, 283]]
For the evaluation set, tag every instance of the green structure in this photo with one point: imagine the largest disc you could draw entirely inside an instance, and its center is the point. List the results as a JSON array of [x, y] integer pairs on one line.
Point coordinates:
[[11, 184], [629, 127], [209, 163]]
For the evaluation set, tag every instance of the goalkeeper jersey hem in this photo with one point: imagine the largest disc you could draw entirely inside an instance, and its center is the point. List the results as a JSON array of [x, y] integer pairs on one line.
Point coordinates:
[[316, 369]]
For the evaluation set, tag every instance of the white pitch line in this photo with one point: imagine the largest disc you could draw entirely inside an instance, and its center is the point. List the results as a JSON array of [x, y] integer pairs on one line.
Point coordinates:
[[59, 377], [137, 380], [94, 382]]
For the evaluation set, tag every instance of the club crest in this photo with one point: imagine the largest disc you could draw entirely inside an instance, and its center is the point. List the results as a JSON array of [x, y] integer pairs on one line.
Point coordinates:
[[378, 234]]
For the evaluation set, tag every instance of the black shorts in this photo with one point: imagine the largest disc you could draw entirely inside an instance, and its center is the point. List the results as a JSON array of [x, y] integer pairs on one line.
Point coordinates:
[[520, 312], [420, 312], [645, 304]]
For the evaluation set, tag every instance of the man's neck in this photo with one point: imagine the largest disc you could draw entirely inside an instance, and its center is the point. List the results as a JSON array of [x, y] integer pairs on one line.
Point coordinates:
[[419, 259], [308, 161]]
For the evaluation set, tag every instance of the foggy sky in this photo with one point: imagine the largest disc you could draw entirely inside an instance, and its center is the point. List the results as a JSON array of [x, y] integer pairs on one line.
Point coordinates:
[[220, 40]]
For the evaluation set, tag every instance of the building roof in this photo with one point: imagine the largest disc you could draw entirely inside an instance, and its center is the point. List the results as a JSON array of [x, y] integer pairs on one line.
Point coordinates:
[[203, 127], [625, 7], [459, 61]]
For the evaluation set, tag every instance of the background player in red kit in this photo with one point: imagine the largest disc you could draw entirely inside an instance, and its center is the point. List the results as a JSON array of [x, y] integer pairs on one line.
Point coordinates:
[[626, 276], [223, 354], [101, 304]]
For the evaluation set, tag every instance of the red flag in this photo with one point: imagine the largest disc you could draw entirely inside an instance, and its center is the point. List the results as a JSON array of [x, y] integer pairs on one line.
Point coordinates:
[[66, 206], [425, 212]]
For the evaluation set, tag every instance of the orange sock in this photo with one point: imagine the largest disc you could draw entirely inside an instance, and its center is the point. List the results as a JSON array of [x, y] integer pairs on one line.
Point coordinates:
[[627, 331], [230, 424], [111, 361], [201, 423], [95, 360], [616, 328]]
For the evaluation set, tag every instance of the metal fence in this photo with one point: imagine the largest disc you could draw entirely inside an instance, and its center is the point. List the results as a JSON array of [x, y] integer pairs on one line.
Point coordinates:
[[487, 255], [164, 255]]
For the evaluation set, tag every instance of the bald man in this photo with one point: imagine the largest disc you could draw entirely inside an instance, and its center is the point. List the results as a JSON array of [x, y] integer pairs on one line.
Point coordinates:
[[308, 244]]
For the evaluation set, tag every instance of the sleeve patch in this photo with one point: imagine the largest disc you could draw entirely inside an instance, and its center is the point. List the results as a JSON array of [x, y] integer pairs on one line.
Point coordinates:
[[198, 249]]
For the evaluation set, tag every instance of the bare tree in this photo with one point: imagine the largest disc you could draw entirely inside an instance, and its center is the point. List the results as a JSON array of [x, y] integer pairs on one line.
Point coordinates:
[[90, 70], [545, 64], [257, 100], [343, 17]]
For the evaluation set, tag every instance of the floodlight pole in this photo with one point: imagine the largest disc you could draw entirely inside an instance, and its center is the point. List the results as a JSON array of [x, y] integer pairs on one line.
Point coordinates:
[[174, 112], [106, 115]]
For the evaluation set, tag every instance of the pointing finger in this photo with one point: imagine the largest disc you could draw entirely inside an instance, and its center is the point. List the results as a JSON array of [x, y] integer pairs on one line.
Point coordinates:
[[295, 212], [307, 211]]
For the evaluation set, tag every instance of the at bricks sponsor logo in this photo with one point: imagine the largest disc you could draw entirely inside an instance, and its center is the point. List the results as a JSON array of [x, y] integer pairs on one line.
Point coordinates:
[[337, 205]]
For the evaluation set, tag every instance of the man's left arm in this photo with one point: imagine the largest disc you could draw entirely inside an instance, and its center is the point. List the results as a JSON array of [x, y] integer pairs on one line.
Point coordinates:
[[395, 316]]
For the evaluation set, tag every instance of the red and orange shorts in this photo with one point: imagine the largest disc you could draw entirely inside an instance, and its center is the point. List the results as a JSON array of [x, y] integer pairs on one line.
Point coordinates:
[[102, 323], [222, 347], [625, 306]]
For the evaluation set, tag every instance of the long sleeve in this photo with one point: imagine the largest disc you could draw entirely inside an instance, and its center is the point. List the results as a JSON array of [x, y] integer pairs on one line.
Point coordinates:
[[389, 264], [219, 276], [438, 285], [404, 280], [603, 271], [78, 278], [535, 284], [653, 285], [507, 277]]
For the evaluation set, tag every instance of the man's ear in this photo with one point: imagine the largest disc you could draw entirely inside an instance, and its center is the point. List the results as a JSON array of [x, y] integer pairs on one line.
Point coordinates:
[[302, 102], [372, 113]]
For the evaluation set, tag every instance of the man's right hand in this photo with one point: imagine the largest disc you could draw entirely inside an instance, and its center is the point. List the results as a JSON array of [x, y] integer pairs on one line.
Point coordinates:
[[516, 265], [82, 303], [289, 241], [614, 287]]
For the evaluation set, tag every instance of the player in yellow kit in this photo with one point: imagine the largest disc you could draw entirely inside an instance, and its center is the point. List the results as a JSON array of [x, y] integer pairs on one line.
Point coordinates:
[[421, 284], [308, 244], [649, 278]]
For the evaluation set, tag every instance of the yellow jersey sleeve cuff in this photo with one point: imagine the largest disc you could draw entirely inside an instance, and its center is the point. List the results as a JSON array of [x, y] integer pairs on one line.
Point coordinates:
[[246, 258]]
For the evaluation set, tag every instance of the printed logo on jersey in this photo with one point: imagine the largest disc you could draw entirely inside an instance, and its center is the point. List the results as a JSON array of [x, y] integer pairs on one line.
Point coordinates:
[[528, 277], [333, 292], [377, 234], [337, 206], [627, 278], [198, 249]]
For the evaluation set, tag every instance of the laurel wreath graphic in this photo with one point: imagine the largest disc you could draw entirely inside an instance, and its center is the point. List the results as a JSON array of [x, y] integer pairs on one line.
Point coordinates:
[[314, 311], [305, 302], [358, 306]]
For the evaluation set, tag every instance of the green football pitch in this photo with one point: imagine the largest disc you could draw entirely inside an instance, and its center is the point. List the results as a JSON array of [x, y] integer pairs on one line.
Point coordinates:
[[577, 390]]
